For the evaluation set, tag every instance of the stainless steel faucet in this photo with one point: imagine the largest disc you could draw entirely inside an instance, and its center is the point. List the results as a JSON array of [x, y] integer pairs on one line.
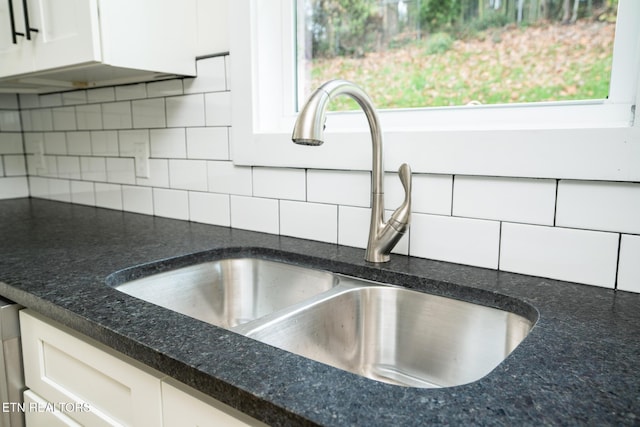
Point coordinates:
[[308, 130]]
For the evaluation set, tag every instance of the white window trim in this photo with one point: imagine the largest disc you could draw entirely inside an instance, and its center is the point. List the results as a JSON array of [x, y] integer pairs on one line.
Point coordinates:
[[596, 140]]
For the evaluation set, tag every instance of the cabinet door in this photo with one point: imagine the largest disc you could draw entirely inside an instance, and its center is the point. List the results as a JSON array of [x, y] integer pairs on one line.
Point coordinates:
[[68, 33], [63, 367], [16, 53], [37, 413]]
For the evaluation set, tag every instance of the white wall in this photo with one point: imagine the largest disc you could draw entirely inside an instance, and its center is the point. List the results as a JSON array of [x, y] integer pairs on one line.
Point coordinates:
[[80, 148]]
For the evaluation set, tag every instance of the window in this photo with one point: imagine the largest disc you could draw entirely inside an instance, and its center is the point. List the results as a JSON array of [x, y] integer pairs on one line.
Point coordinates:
[[582, 140]]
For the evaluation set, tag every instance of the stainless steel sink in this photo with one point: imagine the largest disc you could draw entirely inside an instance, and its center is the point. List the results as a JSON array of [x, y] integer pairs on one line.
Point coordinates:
[[379, 331], [399, 336], [229, 292]]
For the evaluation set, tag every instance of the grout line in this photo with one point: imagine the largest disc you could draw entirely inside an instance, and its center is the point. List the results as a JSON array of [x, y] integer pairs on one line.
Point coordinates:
[[499, 245], [555, 204], [453, 178], [615, 281]]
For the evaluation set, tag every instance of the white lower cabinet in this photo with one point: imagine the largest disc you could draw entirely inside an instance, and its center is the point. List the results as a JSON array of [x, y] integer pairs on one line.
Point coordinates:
[[74, 380]]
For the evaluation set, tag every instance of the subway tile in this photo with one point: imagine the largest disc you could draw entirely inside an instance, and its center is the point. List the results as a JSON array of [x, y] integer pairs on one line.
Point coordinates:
[[64, 118], [29, 100], [256, 214], [208, 143], [164, 88], [128, 139], [69, 167], [314, 221], [168, 143], [50, 167], [10, 121], [524, 200], [104, 143], [38, 187], [218, 108], [74, 97], [225, 177], [459, 240], [79, 143], [89, 117], [93, 168], [41, 119], [83, 193], [349, 188], [14, 187], [210, 76], [353, 226], [102, 94], [14, 165], [108, 195], [158, 174], [11, 143], [60, 190], [209, 208], [121, 170], [279, 183], [55, 143], [27, 122], [432, 194], [133, 91], [560, 253], [9, 101], [51, 100], [148, 113], [117, 115], [171, 203], [185, 111], [629, 265], [605, 206], [137, 199], [188, 174]]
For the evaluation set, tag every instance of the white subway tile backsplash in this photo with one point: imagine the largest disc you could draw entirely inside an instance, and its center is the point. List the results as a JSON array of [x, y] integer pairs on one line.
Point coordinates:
[[171, 203], [168, 143], [256, 214], [185, 111], [51, 100], [218, 108], [55, 143], [60, 190], [104, 143], [117, 115], [14, 165], [314, 221], [41, 120], [33, 142], [25, 118], [69, 167], [629, 267], [137, 199], [188, 174], [9, 101], [148, 113], [121, 170], [79, 143], [349, 188], [279, 183], [607, 206], [210, 208], [158, 174], [108, 195], [38, 187], [560, 253], [460, 240], [93, 168], [89, 117], [432, 194], [10, 143], [10, 121], [74, 97], [134, 91], [208, 143], [83, 193], [225, 177], [353, 226], [164, 88], [64, 118], [211, 76], [524, 200], [29, 100], [128, 139], [102, 94], [14, 187]]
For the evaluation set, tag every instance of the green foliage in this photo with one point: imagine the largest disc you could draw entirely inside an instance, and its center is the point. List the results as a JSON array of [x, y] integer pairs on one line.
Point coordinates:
[[439, 43]]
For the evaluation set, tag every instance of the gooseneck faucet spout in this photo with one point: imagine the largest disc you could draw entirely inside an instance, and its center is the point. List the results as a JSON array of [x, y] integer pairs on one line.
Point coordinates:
[[308, 130]]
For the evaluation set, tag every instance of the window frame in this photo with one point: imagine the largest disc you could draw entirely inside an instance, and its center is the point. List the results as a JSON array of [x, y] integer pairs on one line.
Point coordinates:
[[596, 140]]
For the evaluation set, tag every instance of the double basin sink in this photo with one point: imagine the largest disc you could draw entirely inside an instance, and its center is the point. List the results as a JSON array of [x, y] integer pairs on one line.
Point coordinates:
[[379, 331]]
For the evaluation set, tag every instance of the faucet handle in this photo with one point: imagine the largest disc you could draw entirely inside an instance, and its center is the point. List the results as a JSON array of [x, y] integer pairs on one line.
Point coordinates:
[[401, 217]]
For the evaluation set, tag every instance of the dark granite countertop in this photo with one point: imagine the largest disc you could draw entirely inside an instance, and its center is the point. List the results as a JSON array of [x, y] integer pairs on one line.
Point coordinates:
[[579, 365]]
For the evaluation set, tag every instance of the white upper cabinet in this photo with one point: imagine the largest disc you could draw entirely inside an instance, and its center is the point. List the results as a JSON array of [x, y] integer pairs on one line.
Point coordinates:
[[48, 45]]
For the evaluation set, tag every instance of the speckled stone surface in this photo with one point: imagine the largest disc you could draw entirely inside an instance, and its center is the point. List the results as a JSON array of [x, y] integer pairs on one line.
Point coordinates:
[[578, 366]]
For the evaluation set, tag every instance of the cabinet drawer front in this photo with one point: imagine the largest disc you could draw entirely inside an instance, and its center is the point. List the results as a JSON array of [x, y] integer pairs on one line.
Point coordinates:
[[43, 417], [63, 368]]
